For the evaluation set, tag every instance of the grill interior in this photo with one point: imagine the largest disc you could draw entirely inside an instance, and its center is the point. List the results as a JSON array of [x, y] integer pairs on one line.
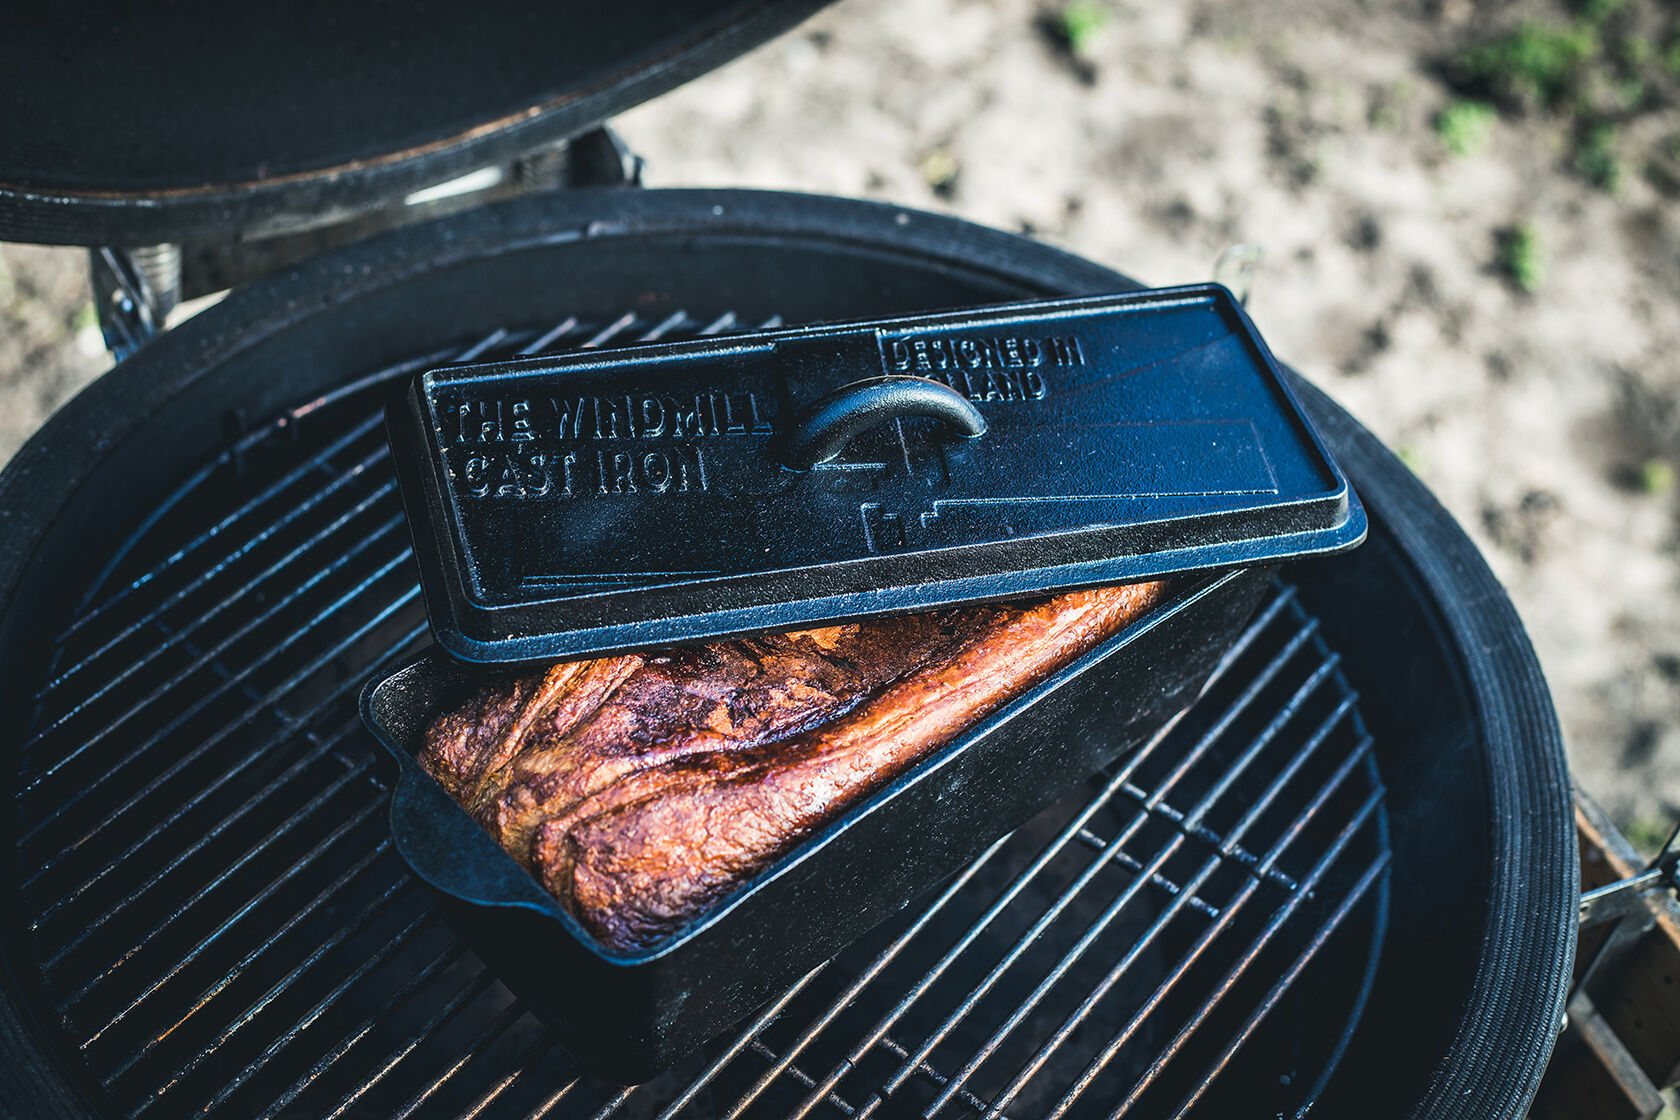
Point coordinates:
[[218, 923]]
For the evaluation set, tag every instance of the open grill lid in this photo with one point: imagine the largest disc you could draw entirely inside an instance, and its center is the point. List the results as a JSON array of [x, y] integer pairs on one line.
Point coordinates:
[[592, 502], [135, 124]]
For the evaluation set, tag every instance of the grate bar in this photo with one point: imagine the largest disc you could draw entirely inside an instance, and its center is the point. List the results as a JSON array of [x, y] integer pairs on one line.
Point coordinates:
[[979, 926], [320, 848], [1353, 761], [722, 323], [484, 345], [322, 748], [389, 949], [1095, 930], [867, 976], [209, 571], [474, 988], [1280, 602], [609, 332], [1226, 720], [552, 1101], [90, 612], [1192, 826], [1132, 864], [1372, 802], [927, 1073], [1206, 938], [1022, 944], [240, 765], [665, 326], [802, 1078], [353, 474], [365, 385], [614, 1104], [493, 1092], [1050, 851], [497, 1027], [205, 839], [260, 705], [1101, 988], [361, 1049], [1184, 765], [1101, 923], [183, 636], [550, 337], [741, 1042], [1292, 902], [1261, 804], [1322, 937], [371, 913], [251, 853], [448, 956], [1285, 715], [212, 655]]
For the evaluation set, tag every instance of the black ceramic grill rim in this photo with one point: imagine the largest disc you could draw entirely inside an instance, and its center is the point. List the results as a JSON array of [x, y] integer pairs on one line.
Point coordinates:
[[1531, 928], [1514, 1002]]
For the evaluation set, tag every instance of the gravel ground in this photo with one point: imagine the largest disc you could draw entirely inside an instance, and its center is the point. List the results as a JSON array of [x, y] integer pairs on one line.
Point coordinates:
[[1492, 290]]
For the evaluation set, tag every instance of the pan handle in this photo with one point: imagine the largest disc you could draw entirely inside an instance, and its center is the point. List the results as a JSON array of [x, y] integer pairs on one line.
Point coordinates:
[[821, 431], [448, 849]]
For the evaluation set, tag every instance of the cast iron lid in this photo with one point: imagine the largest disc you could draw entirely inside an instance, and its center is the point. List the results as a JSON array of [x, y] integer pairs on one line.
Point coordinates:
[[136, 123], [594, 502]]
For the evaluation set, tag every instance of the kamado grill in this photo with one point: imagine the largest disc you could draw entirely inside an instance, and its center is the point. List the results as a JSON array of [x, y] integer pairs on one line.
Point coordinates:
[[1343, 880]]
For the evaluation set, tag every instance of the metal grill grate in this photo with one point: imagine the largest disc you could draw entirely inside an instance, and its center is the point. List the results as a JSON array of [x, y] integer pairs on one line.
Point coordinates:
[[218, 917]]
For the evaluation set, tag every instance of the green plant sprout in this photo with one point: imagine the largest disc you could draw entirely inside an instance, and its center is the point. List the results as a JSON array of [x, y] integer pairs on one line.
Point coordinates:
[[1522, 257], [1464, 126], [1081, 22]]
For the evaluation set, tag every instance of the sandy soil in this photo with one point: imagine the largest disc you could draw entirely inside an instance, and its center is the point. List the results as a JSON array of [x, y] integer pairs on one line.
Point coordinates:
[[1545, 420]]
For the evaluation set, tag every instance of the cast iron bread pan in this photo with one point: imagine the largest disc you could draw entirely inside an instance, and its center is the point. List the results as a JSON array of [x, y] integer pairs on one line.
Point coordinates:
[[835, 472]]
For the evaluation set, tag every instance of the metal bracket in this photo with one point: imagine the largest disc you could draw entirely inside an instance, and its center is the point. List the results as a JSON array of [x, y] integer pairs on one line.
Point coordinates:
[[133, 292], [600, 158], [1626, 907], [1617, 1046]]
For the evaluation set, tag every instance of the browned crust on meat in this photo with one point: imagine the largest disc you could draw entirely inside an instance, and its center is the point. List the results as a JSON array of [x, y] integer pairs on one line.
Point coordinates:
[[643, 789]]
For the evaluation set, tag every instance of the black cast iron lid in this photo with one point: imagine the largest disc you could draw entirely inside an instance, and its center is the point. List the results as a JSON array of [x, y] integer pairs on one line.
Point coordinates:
[[603, 501], [130, 124]]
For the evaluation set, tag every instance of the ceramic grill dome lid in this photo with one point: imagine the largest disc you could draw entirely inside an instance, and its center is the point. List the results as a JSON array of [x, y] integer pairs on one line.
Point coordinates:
[[592, 502], [133, 124]]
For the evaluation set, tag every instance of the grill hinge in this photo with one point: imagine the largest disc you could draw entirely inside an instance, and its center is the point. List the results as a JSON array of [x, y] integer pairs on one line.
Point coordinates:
[[135, 289]]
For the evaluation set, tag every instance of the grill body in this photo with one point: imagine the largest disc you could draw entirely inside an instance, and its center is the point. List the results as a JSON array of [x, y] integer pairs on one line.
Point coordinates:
[[1260, 936]]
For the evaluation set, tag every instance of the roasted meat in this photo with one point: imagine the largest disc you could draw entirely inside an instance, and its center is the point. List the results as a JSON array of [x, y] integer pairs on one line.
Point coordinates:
[[643, 788]]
